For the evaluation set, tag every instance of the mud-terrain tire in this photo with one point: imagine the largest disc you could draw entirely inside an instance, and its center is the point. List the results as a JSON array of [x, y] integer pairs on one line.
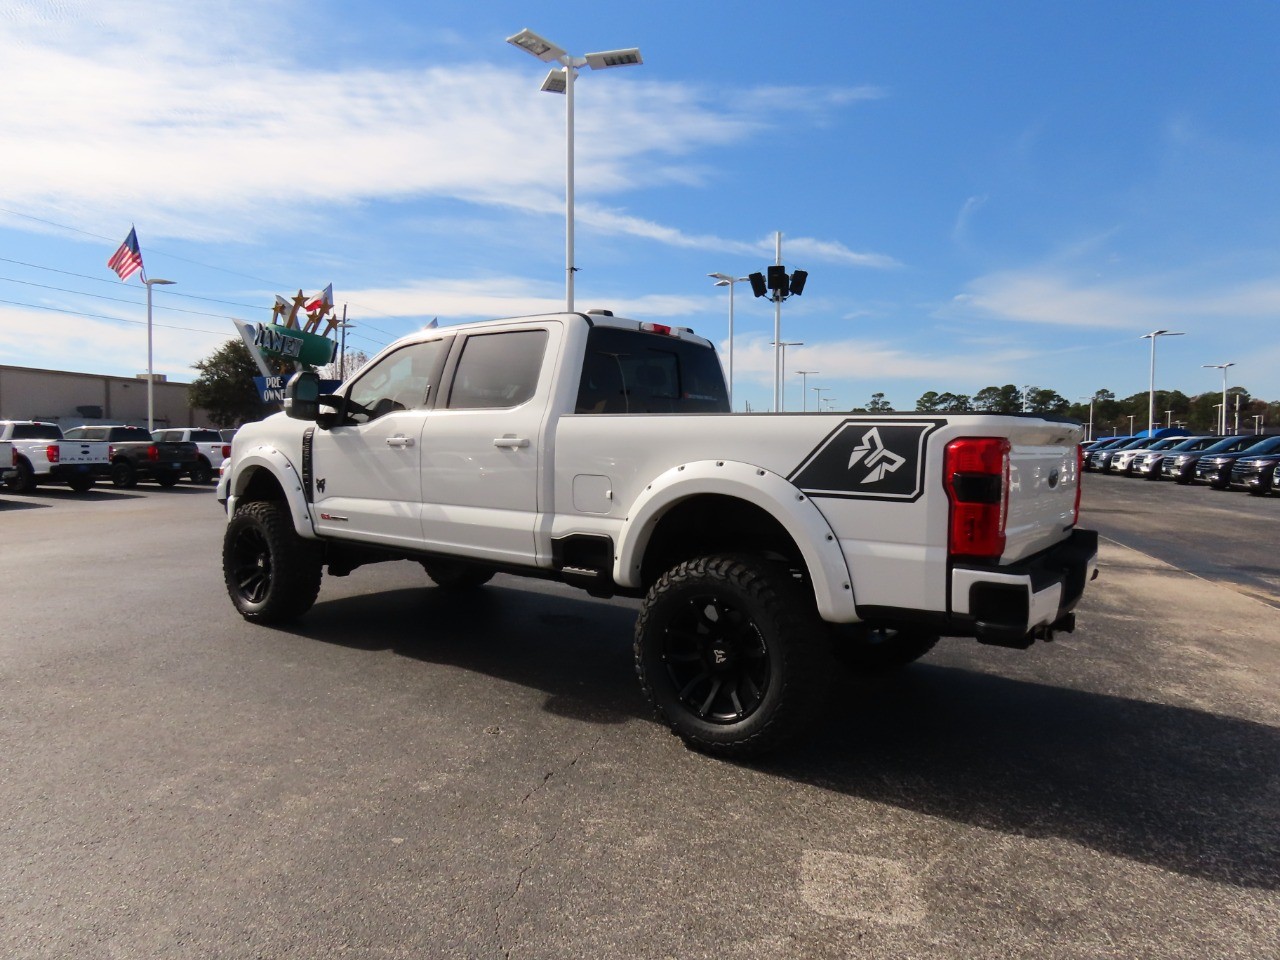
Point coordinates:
[[272, 574], [732, 654]]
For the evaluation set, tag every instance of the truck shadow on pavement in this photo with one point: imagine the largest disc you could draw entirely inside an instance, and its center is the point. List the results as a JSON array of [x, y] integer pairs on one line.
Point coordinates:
[[1178, 788], [1174, 787], [576, 650]]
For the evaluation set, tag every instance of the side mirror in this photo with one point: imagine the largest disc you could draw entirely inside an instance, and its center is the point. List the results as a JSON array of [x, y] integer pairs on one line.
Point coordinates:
[[302, 396]]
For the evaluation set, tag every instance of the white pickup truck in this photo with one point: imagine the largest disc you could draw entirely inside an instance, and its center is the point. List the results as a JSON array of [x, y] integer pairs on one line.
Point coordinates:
[[601, 452], [41, 455]]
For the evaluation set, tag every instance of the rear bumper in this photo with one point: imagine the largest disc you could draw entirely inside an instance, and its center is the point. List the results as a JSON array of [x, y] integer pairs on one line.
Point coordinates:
[[1014, 605], [64, 471]]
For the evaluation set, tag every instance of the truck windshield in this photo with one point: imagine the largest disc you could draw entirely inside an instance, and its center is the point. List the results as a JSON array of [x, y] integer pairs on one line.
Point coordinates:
[[630, 371]]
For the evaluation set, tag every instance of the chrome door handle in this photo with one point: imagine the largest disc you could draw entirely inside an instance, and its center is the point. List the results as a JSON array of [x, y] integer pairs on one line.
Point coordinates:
[[510, 442], [399, 441]]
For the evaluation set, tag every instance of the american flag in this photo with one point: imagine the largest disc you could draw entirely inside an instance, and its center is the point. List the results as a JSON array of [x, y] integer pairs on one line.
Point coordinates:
[[128, 259]]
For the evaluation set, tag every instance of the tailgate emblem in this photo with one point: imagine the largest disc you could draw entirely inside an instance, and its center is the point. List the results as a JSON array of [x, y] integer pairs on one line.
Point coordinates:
[[1053, 479]]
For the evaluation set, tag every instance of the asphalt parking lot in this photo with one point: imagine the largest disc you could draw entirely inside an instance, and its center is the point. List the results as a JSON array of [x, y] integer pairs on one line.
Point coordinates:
[[410, 774]]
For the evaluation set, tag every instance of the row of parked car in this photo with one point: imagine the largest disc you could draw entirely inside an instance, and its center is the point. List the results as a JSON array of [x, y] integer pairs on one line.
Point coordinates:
[[1248, 462], [34, 452]]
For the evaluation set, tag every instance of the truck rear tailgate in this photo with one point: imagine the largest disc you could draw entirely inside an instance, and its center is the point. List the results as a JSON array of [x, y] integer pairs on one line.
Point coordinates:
[[1043, 481]]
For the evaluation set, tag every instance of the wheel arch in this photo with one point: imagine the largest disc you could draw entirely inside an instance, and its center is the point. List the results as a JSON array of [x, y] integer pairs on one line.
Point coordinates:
[[267, 474], [719, 506]]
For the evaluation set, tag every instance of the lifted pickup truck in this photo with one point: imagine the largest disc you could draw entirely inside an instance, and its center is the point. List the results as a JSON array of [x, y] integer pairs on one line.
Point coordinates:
[[40, 454], [601, 452], [135, 456]]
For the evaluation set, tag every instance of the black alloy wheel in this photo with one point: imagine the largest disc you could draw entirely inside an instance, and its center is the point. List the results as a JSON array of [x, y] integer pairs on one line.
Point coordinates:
[[201, 472], [272, 575], [732, 654]]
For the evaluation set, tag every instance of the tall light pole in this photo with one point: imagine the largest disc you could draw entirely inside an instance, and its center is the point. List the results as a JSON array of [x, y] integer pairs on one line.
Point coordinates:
[[1223, 415], [819, 391], [1257, 423], [1168, 418], [804, 391], [1151, 396], [1089, 435], [1132, 417], [724, 280], [151, 376], [778, 287], [561, 81], [783, 346], [342, 349], [1218, 408]]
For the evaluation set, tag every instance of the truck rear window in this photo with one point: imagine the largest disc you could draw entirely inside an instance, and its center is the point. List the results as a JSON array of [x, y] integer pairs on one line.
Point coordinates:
[[205, 436], [629, 371], [36, 431]]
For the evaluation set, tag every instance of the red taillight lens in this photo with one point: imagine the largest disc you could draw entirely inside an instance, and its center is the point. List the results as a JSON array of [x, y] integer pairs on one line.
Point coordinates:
[[153, 452], [111, 451], [976, 476], [52, 452], [656, 328], [226, 450]]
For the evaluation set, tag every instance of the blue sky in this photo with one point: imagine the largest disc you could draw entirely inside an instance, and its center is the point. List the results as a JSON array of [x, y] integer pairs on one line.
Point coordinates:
[[982, 193]]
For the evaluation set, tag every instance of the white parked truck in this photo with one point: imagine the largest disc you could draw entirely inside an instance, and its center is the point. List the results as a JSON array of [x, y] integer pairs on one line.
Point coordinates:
[[41, 455], [601, 452]]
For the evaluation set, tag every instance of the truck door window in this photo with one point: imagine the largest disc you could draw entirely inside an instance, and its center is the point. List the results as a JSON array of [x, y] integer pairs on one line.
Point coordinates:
[[498, 369], [399, 381]]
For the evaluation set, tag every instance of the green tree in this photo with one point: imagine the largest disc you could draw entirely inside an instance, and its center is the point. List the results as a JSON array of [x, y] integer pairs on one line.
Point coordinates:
[[879, 404], [1041, 400], [225, 387], [1006, 399]]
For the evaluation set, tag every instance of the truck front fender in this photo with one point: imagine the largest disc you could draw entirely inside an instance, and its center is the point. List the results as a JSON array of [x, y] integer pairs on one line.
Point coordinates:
[[803, 521], [286, 477]]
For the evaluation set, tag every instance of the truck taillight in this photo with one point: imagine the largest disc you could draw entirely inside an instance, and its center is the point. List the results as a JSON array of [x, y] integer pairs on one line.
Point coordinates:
[[153, 452], [111, 451], [52, 452], [976, 476], [226, 450], [656, 328]]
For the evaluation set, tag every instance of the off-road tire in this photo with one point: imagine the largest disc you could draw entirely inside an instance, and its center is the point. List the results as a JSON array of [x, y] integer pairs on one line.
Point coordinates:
[[457, 576], [80, 484], [865, 649], [732, 654], [272, 574]]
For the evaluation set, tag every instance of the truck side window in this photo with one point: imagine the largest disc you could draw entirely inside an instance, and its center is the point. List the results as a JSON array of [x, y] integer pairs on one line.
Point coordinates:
[[498, 369], [399, 381]]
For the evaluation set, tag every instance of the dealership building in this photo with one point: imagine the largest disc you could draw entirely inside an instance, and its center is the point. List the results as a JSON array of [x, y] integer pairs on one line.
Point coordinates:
[[70, 399]]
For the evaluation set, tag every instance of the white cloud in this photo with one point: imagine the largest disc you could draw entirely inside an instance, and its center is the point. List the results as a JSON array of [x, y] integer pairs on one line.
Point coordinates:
[[203, 126], [1044, 297]]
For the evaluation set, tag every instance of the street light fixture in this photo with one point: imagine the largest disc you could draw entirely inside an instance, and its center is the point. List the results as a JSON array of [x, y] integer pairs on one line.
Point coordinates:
[[151, 376], [819, 391], [560, 80], [1151, 395], [724, 280], [1222, 422], [791, 343], [804, 391], [778, 287]]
